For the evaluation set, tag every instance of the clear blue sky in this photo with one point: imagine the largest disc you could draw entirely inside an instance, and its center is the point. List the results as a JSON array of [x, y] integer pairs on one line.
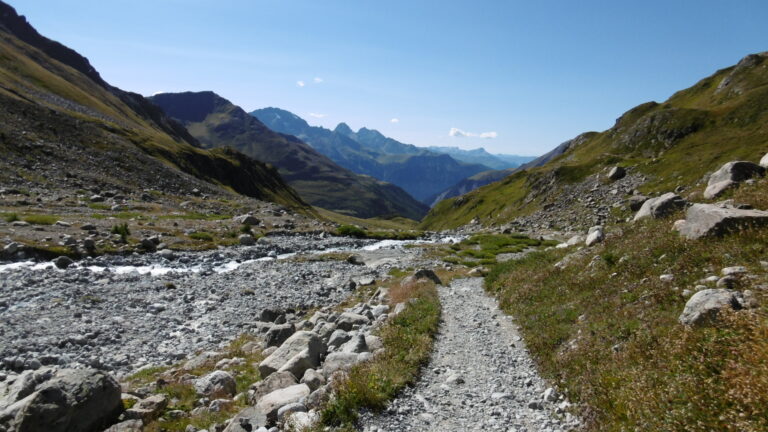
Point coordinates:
[[532, 74]]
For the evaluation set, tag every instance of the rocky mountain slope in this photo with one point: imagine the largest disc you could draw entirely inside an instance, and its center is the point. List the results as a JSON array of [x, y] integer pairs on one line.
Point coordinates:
[[483, 157], [422, 173], [216, 122], [662, 147], [64, 128], [487, 177]]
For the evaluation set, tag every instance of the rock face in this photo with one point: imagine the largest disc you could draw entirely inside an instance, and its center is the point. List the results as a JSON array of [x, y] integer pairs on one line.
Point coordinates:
[[730, 175], [292, 347], [660, 206], [705, 305], [703, 220], [67, 400]]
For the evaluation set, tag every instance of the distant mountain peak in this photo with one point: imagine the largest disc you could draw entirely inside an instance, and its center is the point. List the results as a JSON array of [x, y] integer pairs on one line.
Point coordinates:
[[344, 129]]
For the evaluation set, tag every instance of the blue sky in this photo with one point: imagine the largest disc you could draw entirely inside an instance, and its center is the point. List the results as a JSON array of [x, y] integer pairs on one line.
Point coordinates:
[[513, 77]]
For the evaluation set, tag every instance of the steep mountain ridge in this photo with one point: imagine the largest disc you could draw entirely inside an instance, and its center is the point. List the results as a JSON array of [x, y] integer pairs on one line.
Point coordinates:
[[216, 122], [664, 147], [56, 106], [483, 157], [420, 172]]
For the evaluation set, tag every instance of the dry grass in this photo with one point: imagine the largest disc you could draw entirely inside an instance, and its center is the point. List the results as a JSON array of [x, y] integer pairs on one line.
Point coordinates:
[[605, 328]]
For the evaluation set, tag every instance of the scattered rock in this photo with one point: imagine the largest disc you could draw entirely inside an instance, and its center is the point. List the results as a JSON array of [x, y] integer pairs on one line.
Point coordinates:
[[63, 262], [617, 173], [703, 220], [271, 403], [705, 305], [660, 207], [147, 409], [293, 346], [246, 240], [730, 175], [216, 384], [595, 235], [246, 220]]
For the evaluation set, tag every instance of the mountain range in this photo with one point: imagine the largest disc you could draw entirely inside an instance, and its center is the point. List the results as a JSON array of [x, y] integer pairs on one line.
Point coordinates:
[[215, 122], [422, 172]]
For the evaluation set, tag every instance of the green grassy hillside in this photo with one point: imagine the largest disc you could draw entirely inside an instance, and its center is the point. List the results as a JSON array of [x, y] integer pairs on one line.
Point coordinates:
[[721, 118], [55, 102]]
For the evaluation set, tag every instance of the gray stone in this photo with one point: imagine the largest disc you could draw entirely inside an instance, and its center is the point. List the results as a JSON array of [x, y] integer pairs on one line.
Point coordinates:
[[338, 338], [730, 175], [147, 409], [246, 220], [63, 262], [660, 207], [298, 342], [299, 364], [704, 220], [278, 334], [271, 403], [355, 345], [595, 236], [379, 310], [246, 240], [275, 381], [77, 400], [617, 173], [705, 305], [216, 384], [337, 361], [348, 320], [148, 245], [126, 426], [374, 343], [289, 409], [11, 248], [247, 420], [167, 254], [313, 379], [636, 202]]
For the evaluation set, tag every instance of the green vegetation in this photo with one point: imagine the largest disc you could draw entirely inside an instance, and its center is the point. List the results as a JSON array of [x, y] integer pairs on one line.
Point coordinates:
[[10, 217], [183, 396], [379, 224], [201, 235], [40, 219], [675, 143], [355, 231], [197, 216], [407, 341], [482, 249], [122, 230], [606, 331]]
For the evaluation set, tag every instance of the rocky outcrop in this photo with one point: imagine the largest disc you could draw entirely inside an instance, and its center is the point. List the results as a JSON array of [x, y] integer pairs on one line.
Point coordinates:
[[704, 220], [65, 400], [730, 175]]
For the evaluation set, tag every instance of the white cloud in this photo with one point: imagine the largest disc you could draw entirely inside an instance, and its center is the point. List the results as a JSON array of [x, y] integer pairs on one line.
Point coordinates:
[[456, 132], [316, 115], [300, 83], [317, 80], [395, 120]]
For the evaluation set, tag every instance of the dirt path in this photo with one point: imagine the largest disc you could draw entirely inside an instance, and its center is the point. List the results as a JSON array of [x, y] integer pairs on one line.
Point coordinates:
[[480, 376]]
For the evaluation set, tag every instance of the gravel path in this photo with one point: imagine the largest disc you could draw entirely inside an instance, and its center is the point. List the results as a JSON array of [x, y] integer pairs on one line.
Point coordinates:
[[480, 376]]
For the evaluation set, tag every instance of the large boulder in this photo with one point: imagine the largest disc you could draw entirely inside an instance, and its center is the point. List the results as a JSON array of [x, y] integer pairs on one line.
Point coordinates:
[[730, 175], [271, 403], [595, 235], [216, 384], [294, 345], [276, 381], [246, 219], [705, 305], [660, 207], [66, 400], [705, 220], [617, 173]]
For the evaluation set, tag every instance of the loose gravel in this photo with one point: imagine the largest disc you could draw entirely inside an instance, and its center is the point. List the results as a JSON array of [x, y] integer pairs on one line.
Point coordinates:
[[123, 321], [480, 377]]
